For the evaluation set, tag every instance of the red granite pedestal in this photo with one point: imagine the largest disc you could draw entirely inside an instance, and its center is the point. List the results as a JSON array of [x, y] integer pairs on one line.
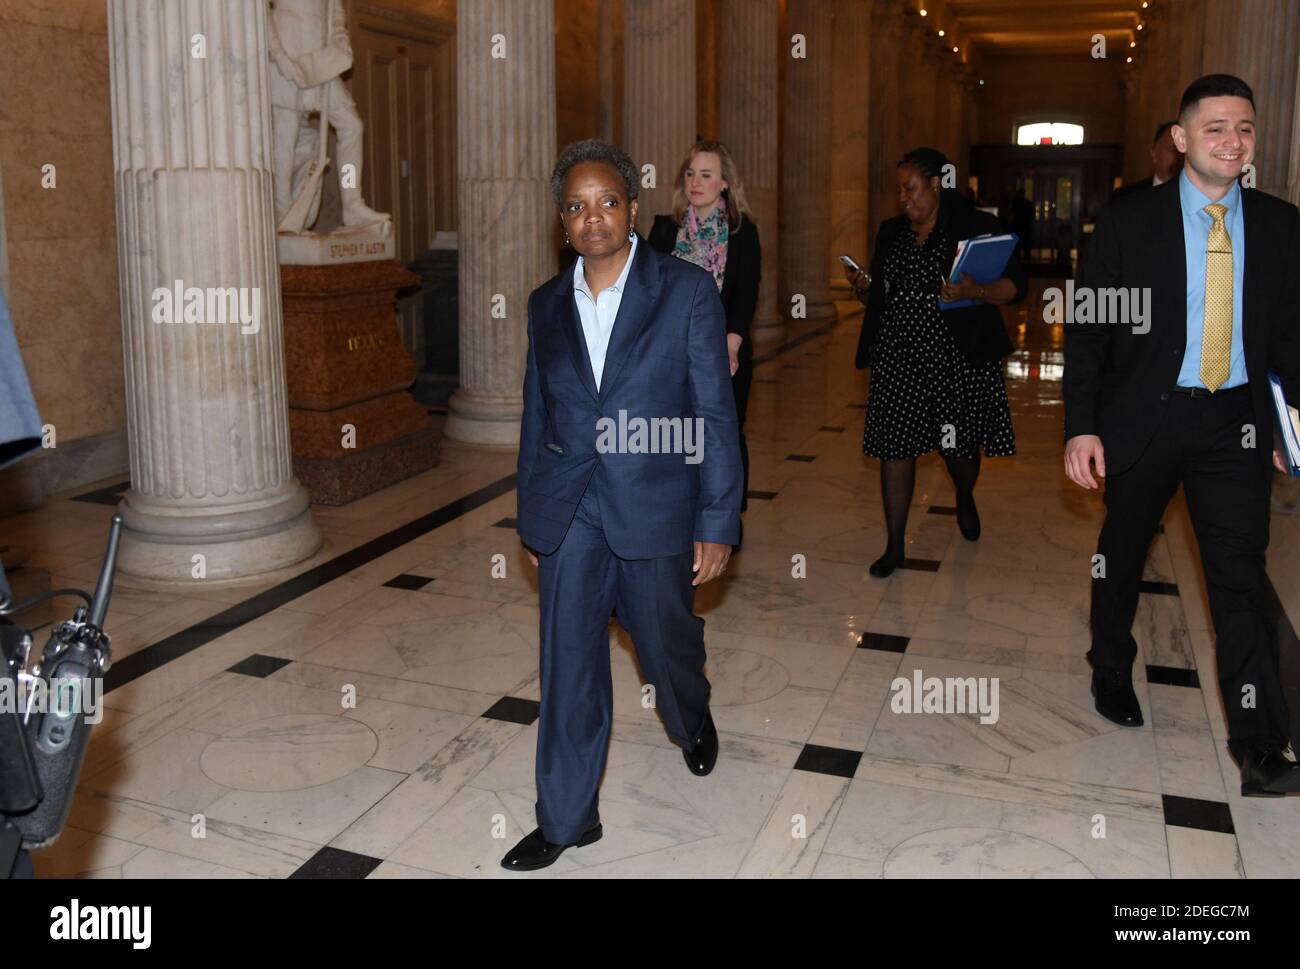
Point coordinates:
[[355, 427]]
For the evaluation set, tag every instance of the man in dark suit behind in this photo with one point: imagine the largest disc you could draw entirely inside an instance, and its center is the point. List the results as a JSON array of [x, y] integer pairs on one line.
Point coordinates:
[[1183, 398], [628, 334], [1166, 159]]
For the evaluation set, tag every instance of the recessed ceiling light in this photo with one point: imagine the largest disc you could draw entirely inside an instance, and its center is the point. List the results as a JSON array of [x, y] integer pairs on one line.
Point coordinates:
[[941, 33], [926, 13]]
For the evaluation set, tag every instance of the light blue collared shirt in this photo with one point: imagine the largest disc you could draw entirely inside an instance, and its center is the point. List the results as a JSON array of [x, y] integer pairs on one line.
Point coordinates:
[[1196, 234], [599, 312]]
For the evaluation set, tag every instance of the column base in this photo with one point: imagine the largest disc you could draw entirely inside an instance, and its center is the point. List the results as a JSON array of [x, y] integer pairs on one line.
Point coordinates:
[[160, 540], [479, 419]]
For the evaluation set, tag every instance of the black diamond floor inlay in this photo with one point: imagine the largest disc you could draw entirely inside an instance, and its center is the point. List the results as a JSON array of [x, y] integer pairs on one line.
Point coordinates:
[[1172, 676], [108, 495], [1159, 588], [828, 760], [801, 457], [513, 709], [942, 510], [761, 495], [921, 565], [1195, 812], [337, 863], [883, 641], [259, 665], [511, 523], [408, 581]]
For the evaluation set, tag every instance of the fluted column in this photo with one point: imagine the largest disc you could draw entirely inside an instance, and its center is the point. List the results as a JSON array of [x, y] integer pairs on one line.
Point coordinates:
[[747, 123], [659, 95], [806, 168], [1260, 43], [851, 107], [505, 149], [884, 137], [212, 490]]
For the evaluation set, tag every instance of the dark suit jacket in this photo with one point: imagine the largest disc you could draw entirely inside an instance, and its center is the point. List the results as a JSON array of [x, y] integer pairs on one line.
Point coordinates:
[[977, 330], [1142, 185], [667, 358], [1117, 382], [739, 281]]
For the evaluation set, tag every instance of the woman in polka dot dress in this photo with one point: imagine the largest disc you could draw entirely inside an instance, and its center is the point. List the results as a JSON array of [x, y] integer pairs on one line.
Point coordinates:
[[936, 376]]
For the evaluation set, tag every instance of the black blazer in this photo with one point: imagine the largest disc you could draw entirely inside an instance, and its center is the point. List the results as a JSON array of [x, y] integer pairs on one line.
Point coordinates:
[[977, 330], [1139, 186], [1117, 383], [739, 281]]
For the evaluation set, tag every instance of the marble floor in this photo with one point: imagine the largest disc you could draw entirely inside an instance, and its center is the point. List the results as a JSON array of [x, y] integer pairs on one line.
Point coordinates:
[[372, 712]]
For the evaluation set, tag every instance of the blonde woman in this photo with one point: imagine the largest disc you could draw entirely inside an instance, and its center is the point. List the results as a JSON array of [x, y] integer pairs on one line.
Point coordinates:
[[711, 226]]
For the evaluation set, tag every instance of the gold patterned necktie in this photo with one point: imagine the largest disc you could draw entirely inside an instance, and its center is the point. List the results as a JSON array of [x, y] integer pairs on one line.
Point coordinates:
[[1216, 336]]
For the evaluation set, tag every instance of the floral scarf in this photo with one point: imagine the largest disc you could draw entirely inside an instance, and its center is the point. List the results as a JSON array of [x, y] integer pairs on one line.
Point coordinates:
[[705, 243]]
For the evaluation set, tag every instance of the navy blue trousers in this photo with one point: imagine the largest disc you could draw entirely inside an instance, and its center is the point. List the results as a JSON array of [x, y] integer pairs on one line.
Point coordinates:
[[581, 584]]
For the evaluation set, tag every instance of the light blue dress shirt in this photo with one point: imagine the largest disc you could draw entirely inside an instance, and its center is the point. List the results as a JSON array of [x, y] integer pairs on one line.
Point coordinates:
[[1196, 234], [598, 313]]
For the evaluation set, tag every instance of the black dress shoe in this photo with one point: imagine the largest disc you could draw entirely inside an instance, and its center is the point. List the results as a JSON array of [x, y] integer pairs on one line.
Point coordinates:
[[884, 566], [705, 755], [968, 519], [1265, 770], [535, 852], [1116, 700]]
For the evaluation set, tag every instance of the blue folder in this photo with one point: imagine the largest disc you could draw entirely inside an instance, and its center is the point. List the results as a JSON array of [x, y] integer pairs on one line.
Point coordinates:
[[983, 258], [1288, 427]]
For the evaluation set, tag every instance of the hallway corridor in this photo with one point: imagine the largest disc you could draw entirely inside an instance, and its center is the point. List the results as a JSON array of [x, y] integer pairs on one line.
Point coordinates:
[[372, 713]]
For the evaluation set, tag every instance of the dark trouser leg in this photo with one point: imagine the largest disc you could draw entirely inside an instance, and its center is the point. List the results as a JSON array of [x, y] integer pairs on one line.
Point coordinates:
[[1135, 500], [1227, 491], [577, 585], [655, 603], [897, 481]]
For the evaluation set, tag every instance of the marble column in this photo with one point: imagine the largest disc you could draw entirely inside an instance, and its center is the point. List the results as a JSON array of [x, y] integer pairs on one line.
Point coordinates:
[[658, 96], [505, 96], [806, 161], [748, 48], [884, 137], [851, 112], [1261, 47], [211, 472]]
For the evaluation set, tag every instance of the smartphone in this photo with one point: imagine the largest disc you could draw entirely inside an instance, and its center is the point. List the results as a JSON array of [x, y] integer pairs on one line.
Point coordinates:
[[848, 261]]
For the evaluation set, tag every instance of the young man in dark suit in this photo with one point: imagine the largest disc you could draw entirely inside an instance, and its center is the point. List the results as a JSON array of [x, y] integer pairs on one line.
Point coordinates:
[[1183, 398]]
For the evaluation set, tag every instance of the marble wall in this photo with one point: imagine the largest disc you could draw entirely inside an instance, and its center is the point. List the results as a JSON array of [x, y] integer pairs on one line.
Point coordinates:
[[62, 249]]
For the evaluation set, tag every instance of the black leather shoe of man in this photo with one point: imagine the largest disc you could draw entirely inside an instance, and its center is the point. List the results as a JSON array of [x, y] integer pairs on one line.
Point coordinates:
[[534, 851], [1115, 699], [705, 755], [1265, 770]]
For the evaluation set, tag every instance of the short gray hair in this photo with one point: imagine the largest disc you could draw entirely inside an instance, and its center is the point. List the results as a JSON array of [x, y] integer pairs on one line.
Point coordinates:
[[593, 150]]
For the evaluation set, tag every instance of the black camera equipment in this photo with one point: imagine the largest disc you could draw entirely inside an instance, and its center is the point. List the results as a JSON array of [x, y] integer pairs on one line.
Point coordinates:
[[44, 727]]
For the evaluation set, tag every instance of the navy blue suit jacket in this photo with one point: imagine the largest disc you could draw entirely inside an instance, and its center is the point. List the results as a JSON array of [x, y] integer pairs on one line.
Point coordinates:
[[667, 358]]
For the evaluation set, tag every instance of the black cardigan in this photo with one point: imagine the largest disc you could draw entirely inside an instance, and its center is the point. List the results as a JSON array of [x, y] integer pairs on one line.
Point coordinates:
[[977, 330], [739, 281]]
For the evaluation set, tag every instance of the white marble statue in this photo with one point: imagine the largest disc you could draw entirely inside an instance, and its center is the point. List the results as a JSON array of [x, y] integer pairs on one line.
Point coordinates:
[[309, 46]]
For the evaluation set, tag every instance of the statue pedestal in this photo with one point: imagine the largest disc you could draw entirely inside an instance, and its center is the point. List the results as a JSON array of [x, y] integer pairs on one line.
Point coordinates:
[[355, 427], [341, 247]]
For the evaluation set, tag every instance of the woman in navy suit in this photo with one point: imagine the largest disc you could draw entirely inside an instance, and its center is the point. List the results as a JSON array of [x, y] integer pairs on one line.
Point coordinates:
[[711, 226]]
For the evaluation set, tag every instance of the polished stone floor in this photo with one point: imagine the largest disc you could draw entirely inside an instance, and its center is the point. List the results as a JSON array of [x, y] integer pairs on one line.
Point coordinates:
[[372, 713]]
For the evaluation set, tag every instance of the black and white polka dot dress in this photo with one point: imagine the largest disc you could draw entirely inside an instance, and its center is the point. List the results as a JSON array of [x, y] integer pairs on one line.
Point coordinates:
[[925, 394]]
